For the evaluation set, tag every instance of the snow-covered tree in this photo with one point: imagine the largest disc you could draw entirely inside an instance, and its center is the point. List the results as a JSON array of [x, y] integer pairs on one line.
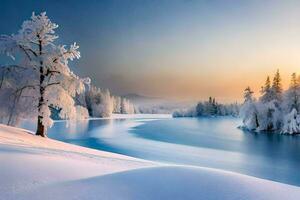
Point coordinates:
[[266, 92], [269, 104], [291, 123], [248, 110], [277, 110], [13, 105], [117, 104], [100, 103], [276, 87], [208, 108], [291, 98], [127, 107], [189, 112], [81, 112], [248, 95], [50, 81]]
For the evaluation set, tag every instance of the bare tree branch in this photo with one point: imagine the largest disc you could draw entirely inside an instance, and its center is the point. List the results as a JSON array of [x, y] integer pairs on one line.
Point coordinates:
[[26, 53], [25, 87], [51, 72], [51, 84]]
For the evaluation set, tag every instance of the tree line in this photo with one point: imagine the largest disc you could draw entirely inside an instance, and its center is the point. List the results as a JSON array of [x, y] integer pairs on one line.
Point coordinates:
[[209, 108]]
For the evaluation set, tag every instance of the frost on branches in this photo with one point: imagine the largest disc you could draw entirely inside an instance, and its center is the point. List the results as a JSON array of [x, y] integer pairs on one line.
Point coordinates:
[[276, 110], [41, 78], [101, 103]]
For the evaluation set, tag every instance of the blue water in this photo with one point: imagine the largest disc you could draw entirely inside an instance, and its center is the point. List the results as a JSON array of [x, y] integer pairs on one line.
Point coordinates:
[[208, 142]]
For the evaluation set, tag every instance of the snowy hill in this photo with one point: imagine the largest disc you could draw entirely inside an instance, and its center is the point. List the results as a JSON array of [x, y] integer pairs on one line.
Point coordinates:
[[40, 168], [138, 99]]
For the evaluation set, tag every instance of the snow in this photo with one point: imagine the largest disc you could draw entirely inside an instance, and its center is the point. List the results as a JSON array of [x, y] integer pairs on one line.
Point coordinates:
[[45, 79], [276, 110], [40, 168], [169, 183]]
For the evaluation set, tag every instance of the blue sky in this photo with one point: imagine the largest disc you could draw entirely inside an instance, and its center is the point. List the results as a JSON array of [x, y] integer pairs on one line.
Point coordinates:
[[180, 49]]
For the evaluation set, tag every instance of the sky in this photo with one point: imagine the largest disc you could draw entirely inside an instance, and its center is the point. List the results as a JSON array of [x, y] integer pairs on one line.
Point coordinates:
[[185, 49]]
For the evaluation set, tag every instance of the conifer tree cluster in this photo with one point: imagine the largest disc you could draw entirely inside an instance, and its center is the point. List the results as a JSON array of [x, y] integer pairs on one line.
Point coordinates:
[[209, 108], [275, 110]]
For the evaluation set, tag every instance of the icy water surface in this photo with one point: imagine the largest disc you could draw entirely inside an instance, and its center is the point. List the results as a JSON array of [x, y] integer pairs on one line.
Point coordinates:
[[208, 142]]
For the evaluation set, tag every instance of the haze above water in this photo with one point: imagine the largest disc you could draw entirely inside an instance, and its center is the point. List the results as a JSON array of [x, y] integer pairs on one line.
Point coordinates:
[[207, 142]]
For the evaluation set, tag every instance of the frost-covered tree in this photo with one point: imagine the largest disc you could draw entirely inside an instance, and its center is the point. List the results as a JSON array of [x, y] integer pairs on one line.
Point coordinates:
[[127, 107], [277, 87], [189, 112], [266, 92], [50, 81], [269, 104], [291, 123], [248, 95], [200, 109], [117, 104], [81, 112], [291, 98], [208, 108], [13, 104], [99, 103], [277, 112], [291, 106], [248, 110]]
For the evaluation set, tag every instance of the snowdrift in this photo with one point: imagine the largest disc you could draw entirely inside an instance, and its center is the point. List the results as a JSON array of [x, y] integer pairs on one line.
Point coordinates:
[[39, 168]]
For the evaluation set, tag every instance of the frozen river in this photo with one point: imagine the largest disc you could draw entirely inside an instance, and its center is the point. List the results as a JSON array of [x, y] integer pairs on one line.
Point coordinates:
[[209, 142]]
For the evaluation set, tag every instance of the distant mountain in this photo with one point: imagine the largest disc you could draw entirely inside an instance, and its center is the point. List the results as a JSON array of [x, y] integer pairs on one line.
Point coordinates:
[[154, 105], [141, 99], [137, 96]]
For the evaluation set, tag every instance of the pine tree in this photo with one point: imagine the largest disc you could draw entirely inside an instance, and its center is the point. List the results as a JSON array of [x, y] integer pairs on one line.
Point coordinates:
[[294, 81], [248, 94], [276, 87], [266, 91], [291, 100], [210, 100]]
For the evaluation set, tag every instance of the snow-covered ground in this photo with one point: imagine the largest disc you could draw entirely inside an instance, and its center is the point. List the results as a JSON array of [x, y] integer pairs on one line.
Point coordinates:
[[32, 167]]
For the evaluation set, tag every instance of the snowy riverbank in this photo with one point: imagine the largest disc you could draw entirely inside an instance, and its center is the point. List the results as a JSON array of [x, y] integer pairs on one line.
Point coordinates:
[[37, 168]]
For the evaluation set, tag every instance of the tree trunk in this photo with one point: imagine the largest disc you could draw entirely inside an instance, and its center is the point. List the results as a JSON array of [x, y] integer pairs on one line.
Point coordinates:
[[256, 121], [41, 130]]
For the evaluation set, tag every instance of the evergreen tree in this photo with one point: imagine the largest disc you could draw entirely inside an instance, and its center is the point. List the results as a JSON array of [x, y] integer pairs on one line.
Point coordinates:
[[276, 110], [266, 91], [200, 109], [276, 86], [294, 87], [210, 100], [248, 94], [294, 81], [291, 97]]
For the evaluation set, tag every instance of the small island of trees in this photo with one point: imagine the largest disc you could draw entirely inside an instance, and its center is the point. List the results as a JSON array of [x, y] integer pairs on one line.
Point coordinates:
[[275, 110]]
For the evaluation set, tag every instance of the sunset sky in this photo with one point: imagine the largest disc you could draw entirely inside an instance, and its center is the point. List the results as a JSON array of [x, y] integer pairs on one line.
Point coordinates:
[[173, 49]]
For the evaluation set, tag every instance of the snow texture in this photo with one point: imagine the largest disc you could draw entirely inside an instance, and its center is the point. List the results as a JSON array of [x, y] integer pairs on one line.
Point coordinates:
[[39, 168]]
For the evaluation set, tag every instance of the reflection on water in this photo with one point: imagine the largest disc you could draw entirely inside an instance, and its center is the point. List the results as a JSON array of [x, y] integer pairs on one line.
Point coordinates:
[[208, 142]]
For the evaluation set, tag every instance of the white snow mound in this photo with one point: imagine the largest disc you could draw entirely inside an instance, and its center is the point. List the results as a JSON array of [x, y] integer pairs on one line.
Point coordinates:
[[34, 168]]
